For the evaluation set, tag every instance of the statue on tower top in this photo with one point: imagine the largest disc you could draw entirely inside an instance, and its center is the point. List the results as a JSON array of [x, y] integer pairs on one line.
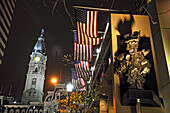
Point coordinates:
[[40, 44], [42, 32]]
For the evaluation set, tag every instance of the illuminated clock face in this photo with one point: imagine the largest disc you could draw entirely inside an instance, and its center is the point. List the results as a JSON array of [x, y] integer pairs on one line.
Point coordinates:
[[37, 59]]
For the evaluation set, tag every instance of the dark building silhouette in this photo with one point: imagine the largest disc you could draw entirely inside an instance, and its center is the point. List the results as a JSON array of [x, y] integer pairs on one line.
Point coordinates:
[[6, 13]]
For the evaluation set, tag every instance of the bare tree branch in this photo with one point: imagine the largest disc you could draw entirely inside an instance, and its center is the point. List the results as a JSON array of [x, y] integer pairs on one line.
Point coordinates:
[[54, 6]]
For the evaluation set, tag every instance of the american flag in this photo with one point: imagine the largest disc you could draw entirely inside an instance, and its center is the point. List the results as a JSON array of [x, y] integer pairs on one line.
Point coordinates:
[[75, 80], [82, 84], [78, 83], [82, 52], [87, 27], [82, 69]]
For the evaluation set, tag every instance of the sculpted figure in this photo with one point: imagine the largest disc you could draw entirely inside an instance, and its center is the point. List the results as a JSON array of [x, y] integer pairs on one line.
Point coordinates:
[[133, 64]]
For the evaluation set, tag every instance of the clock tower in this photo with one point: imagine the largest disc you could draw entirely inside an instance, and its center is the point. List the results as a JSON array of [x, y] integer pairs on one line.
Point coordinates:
[[33, 91]]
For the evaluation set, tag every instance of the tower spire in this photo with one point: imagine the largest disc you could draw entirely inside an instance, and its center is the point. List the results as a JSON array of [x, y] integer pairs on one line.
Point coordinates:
[[42, 33], [40, 44]]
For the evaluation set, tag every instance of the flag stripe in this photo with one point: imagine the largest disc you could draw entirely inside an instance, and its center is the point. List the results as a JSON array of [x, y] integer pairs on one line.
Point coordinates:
[[84, 35], [81, 32], [96, 34], [78, 34], [92, 25], [88, 25], [95, 24], [83, 52]]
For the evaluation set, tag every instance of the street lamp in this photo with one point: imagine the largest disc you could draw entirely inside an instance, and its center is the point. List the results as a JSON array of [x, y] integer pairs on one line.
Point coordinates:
[[54, 80], [69, 87], [98, 50]]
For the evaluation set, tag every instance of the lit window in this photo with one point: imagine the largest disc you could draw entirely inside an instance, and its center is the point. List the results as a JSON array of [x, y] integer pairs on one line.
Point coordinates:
[[34, 81]]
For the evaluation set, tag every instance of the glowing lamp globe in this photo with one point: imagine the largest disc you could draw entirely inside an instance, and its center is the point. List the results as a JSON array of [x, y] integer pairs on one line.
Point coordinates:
[[54, 80], [69, 87]]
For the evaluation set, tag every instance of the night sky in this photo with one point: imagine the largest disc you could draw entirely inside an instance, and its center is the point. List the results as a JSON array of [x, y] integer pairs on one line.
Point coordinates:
[[30, 16]]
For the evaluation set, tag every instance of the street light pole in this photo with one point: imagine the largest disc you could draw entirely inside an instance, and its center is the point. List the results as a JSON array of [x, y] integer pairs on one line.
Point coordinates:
[[138, 106], [69, 88]]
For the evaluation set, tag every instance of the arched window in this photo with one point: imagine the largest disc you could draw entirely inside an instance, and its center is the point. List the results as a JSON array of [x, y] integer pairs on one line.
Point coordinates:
[[34, 81], [41, 111], [30, 111], [36, 69], [36, 111], [17, 111], [11, 111], [23, 111]]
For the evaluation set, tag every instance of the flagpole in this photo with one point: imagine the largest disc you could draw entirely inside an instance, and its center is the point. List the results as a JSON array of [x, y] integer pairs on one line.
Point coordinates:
[[105, 32], [101, 9], [98, 31]]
